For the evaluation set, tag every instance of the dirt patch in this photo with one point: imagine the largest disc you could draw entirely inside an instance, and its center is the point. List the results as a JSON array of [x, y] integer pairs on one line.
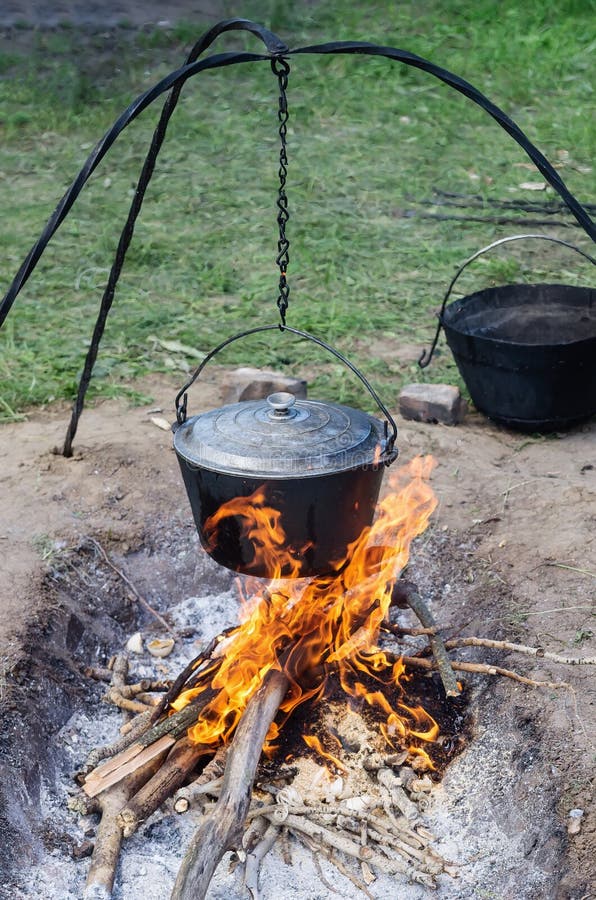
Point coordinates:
[[509, 556]]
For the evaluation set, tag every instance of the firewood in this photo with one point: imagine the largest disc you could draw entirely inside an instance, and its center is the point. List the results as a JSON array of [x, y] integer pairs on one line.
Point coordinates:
[[128, 704], [537, 652], [128, 762], [160, 737], [193, 667], [180, 761], [256, 857], [104, 861], [186, 796], [222, 830], [418, 662], [410, 632], [408, 594], [350, 848], [209, 782]]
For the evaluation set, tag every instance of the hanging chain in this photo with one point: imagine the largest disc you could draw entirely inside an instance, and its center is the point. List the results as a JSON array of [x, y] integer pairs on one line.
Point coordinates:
[[281, 68]]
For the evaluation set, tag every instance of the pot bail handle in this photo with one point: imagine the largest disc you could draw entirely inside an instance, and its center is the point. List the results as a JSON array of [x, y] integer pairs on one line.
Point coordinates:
[[427, 355], [390, 427]]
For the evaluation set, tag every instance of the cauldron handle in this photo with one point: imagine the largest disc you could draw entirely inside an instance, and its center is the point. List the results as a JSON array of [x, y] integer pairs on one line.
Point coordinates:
[[182, 396], [427, 355]]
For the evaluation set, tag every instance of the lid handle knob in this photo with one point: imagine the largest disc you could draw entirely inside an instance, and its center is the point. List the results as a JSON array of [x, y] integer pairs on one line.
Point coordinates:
[[281, 403]]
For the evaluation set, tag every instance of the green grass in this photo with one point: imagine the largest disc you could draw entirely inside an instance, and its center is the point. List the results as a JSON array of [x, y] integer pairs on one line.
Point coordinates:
[[367, 138]]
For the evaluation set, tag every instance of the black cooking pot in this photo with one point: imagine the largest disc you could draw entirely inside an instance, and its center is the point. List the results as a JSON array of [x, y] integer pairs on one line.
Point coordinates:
[[319, 465], [526, 352]]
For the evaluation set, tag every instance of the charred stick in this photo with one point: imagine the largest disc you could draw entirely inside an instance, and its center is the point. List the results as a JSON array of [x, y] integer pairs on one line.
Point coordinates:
[[406, 593], [180, 761], [222, 830], [178, 723], [203, 655]]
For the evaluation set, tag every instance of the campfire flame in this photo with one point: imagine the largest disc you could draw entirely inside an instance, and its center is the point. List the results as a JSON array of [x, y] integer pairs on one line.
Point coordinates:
[[309, 628]]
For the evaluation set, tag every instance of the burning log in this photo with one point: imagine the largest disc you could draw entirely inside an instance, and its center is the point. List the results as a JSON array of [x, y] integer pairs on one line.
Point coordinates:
[[222, 830]]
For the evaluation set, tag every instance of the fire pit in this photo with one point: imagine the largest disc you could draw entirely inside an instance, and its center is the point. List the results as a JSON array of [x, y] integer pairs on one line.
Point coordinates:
[[493, 837]]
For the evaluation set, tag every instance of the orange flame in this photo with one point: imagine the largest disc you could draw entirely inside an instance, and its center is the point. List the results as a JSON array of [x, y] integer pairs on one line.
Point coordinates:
[[307, 627], [312, 741]]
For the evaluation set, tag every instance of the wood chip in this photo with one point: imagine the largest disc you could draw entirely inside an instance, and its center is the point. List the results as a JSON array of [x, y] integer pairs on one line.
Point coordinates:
[[160, 422]]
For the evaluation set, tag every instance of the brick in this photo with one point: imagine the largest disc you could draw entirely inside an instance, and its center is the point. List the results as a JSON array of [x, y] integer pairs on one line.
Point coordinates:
[[248, 383], [432, 403]]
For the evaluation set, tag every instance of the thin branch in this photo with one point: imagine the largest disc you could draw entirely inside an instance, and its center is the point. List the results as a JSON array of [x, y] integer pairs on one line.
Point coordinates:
[[418, 662], [132, 587], [537, 652], [571, 569], [492, 220], [410, 632]]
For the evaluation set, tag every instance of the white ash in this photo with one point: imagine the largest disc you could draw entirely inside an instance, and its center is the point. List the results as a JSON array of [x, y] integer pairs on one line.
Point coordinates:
[[465, 812]]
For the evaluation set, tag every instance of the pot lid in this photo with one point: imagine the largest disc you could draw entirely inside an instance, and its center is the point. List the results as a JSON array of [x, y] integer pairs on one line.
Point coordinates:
[[282, 437]]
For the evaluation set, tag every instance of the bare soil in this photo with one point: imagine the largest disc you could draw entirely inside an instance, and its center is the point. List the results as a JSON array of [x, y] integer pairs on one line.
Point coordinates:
[[510, 554]]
